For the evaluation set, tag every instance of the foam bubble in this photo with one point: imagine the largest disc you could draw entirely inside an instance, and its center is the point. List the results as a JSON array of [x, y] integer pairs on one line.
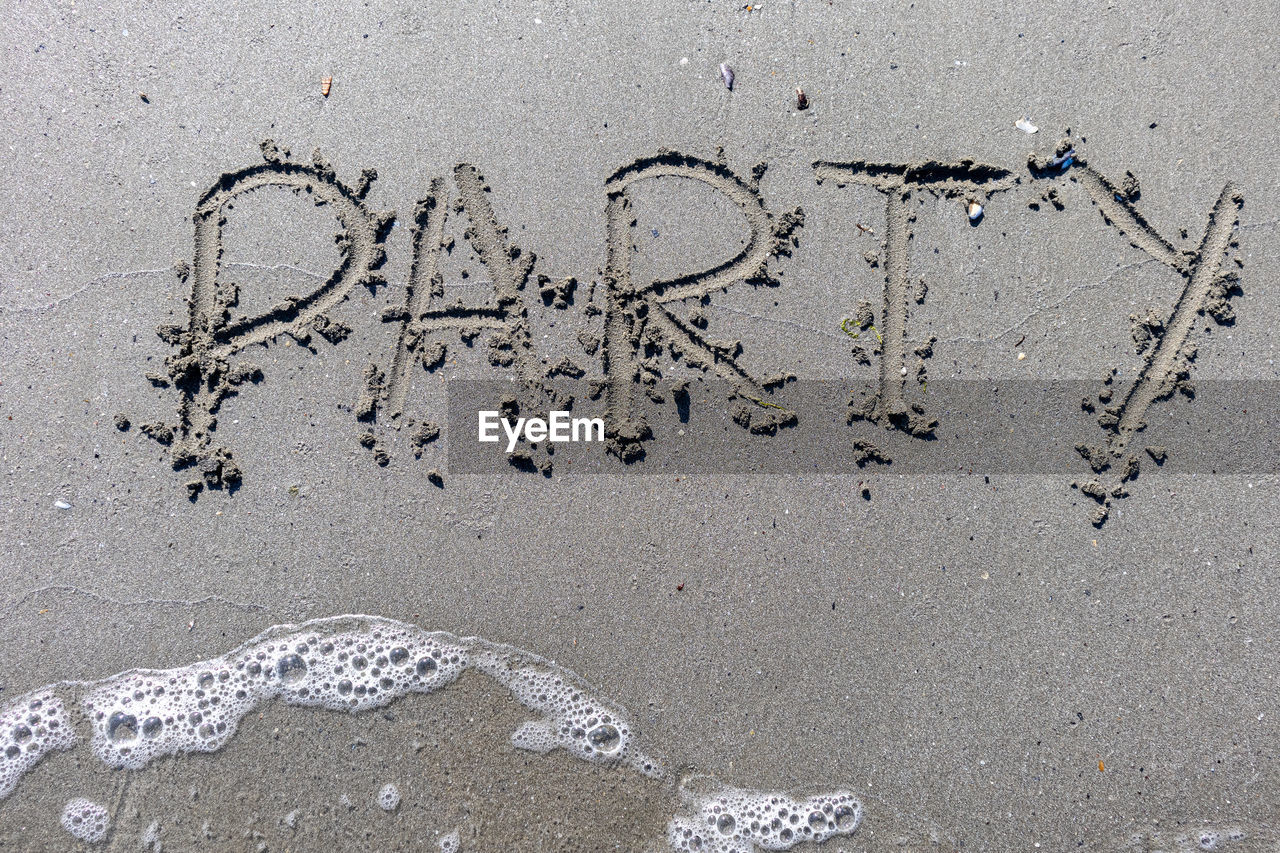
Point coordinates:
[[339, 664], [388, 797], [734, 820], [572, 719], [30, 728], [86, 820], [347, 663], [1207, 838], [357, 663]]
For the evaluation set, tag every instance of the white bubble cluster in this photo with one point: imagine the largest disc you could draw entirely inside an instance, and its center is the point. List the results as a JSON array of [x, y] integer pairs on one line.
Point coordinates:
[[341, 664], [733, 820], [32, 727], [572, 719], [1203, 839], [347, 663], [356, 663], [86, 820], [388, 797]]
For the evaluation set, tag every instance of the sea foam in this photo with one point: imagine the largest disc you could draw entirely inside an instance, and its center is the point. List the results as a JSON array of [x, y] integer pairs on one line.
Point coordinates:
[[357, 663]]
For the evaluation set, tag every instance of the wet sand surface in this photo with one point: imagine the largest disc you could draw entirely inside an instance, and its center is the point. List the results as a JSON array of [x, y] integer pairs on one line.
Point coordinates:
[[966, 653]]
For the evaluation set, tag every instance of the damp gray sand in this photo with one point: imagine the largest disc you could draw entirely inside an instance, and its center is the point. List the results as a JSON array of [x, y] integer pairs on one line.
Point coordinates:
[[234, 296]]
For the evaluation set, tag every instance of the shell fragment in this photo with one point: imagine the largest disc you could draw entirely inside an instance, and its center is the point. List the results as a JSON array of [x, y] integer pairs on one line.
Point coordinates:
[[726, 74]]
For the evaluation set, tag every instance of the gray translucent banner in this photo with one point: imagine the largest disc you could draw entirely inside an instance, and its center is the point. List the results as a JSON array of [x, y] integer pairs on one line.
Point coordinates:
[[989, 427]]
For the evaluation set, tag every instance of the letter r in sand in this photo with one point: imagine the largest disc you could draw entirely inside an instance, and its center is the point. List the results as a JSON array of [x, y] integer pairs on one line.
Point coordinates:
[[638, 321]]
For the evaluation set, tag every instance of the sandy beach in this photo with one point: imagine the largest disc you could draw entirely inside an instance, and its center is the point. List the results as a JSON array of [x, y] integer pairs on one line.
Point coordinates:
[[262, 269]]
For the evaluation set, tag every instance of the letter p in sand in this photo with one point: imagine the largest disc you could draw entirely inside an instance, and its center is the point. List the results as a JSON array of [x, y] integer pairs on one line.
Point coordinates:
[[201, 368]]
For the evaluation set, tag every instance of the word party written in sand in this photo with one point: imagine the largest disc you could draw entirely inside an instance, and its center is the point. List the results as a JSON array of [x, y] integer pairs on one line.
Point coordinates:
[[642, 330]]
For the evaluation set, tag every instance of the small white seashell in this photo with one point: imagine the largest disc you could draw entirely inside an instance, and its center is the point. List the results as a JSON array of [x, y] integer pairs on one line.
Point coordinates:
[[1025, 126], [975, 211], [62, 505], [726, 74], [1021, 356]]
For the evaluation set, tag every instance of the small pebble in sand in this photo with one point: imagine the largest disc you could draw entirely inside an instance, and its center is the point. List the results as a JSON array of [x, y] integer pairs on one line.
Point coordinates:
[[1021, 356], [802, 100], [975, 211], [1063, 161]]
